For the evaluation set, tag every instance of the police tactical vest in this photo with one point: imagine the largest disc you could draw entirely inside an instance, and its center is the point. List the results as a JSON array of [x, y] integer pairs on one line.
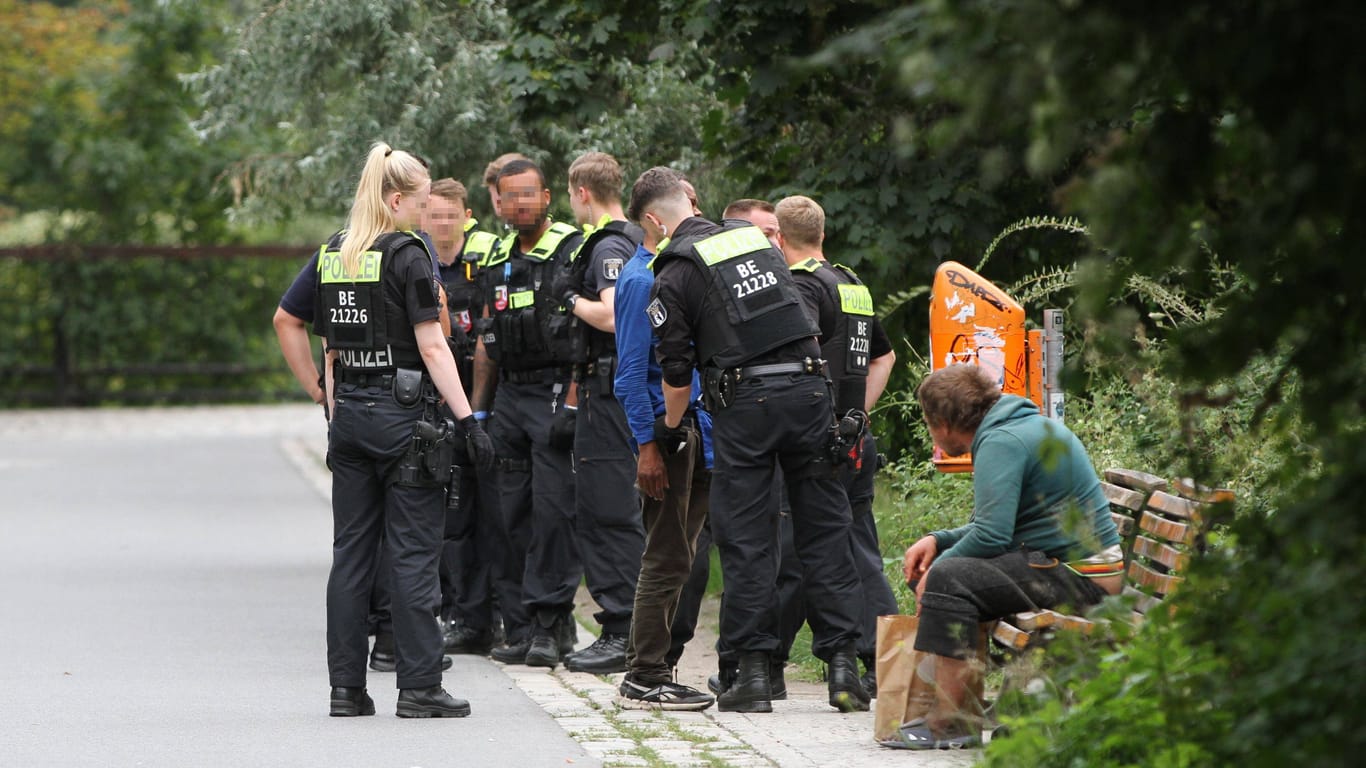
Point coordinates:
[[845, 346], [369, 331], [751, 305], [601, 343], [527, 328], [464, 299]]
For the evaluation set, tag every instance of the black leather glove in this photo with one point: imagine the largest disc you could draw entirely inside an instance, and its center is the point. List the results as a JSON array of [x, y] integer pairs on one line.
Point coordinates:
[[478, 444], [566, 283], [670, 440], [562, 428]]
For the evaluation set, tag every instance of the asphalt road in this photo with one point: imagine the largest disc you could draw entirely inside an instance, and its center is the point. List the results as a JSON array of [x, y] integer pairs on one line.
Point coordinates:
[[162, 579]]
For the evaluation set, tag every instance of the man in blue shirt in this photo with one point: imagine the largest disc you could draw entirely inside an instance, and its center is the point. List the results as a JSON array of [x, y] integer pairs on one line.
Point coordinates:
[[672, 472]]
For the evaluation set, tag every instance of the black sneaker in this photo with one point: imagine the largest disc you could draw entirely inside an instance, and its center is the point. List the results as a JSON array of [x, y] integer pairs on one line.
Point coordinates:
[[468, 640], [544, 652], [869, 680], [430, 702], [605, 656], [671, 697], [351, 702], [514, 653]]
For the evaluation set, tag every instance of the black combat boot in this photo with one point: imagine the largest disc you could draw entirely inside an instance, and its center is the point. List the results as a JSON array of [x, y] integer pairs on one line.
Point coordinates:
[[382, 657], [846, 689], [351, 702], [751, 691], [430, 702]]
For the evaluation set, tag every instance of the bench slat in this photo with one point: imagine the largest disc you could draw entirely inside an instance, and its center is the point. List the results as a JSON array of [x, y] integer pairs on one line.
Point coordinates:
[[1132, 478], [1170, 530], [1032, 620], [1009, 636], [1160, 583], [1124, 497], [1142, 602], [1160, 553], [1124, 524], [1175, 506]]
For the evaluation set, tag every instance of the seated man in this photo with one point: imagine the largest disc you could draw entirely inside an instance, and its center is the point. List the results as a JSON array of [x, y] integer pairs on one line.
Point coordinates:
[[1024, 548]]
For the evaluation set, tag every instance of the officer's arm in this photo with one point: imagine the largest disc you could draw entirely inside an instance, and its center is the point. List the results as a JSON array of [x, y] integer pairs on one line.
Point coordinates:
[[436, 354], [879, 370], [676, 401], [292, 333], [445, 317], [329, 384], [598, 314]]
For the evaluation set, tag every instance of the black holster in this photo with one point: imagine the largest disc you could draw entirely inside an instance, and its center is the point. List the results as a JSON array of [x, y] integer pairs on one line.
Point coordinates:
[[718, 388]]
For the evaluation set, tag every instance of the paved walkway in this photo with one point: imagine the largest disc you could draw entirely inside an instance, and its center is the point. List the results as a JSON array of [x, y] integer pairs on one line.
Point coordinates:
[[164, 626]]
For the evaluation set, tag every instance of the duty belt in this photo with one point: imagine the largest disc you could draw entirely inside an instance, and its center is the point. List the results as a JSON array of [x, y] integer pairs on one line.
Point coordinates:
[[810, 366], [535, 375], [366, 378]]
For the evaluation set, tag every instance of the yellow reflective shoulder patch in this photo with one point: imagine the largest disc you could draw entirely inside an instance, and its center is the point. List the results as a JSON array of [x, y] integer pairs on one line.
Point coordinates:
[[855, 299], [331, 269], [810, 265], [731, 243]]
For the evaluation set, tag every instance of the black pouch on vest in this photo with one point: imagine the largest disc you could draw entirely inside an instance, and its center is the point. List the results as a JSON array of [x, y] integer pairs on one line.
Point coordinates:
[[407, 386]]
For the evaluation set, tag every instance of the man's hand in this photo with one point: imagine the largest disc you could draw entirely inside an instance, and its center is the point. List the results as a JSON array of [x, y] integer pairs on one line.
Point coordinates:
[[566, 283], [478, 444], [651, 477], [918, 558], [562, 427]]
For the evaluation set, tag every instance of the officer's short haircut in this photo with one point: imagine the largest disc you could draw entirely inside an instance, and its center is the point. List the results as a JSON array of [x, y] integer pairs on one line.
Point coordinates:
[[957, 397], [491, 170], [600, 173], [739, 208], [518, 167], [654, 185], [801, 220], [450, 190]]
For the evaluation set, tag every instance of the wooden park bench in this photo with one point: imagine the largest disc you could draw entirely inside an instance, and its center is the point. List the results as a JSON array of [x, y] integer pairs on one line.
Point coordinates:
[[1161, 525]]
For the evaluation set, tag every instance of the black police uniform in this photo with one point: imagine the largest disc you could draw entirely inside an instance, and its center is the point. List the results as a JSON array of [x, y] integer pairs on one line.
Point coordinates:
[[851, 336], [474, 541], [725, 302], [368, 321], [532, 340], [611, 534]]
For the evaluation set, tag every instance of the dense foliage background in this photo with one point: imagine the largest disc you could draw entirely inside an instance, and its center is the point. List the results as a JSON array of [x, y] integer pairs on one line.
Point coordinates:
[[1213, 151]]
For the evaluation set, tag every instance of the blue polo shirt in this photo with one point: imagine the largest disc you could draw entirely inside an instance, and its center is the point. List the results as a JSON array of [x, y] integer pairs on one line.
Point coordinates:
[[639, 379]]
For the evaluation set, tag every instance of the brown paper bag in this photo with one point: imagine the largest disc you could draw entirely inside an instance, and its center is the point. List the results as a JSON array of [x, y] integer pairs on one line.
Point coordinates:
[[905, 677]]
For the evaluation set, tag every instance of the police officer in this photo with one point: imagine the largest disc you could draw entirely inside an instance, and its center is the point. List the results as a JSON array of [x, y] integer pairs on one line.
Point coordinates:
[[527, 344], [473, 540], [724, 302], [378, 309], [860, 360], [607, 521]]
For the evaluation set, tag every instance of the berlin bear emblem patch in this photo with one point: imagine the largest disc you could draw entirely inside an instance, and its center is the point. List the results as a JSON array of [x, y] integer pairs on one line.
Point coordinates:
[[611, 268], [657, 313]]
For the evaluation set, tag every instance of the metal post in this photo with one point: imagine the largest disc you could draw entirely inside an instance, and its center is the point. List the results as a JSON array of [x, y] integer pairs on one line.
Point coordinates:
[[1052, 363]]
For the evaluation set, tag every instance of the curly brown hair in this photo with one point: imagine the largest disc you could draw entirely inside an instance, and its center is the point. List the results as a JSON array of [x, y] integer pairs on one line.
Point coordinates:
[[957, 397]]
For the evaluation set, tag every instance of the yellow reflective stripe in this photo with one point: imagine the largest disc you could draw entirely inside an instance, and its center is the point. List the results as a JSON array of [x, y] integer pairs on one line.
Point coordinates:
[[522, 299], [550, 241], [855, 299], [470, 223], [732, 243], [810, 265], [330, 269]]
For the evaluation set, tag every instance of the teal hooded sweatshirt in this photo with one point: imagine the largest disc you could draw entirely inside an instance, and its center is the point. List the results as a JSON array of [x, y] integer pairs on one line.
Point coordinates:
[[1029, 472]]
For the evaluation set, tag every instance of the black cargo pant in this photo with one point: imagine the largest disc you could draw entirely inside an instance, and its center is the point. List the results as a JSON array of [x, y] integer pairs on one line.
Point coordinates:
[[369, 434], [537, 504], [781, 420], [607, 517], [962, 592], [473, 550], [672, 529]]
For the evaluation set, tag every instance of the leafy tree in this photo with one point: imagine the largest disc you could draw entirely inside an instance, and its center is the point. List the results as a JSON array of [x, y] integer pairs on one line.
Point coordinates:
[[1206, 130]]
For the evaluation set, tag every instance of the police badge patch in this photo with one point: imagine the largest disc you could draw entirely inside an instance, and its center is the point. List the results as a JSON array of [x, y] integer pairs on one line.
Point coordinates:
[[657, 313], [611, 268]]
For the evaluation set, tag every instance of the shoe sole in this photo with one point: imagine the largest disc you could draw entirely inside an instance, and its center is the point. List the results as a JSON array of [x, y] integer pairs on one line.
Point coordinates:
[[600, 669], [417, 711], [746, 707], [847, 702], [626, 702], [541, 661]]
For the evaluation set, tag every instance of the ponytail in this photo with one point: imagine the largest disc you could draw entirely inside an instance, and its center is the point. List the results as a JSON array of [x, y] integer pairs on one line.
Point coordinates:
[[386, 170]]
